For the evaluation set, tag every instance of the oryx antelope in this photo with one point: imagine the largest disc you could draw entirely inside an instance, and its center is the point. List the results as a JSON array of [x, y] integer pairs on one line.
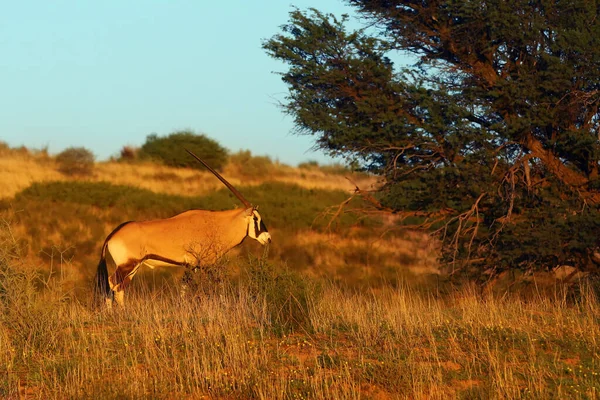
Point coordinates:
[[189, 239]]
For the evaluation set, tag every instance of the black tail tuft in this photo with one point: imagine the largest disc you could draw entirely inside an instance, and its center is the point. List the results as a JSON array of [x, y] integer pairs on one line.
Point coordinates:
[[102, 289]]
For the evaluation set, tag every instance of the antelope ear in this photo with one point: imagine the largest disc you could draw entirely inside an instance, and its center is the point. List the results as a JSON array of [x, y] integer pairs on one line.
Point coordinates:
[[249, 211]]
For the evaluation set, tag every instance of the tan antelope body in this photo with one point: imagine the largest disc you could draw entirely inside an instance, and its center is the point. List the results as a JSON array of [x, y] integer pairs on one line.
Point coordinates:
[[190, 239]]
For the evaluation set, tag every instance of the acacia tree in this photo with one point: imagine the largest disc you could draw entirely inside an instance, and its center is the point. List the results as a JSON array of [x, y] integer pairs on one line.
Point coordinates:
[[491, 137]]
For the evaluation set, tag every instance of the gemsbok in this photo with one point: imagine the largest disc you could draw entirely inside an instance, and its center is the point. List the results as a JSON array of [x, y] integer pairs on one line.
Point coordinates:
[[190, 239]]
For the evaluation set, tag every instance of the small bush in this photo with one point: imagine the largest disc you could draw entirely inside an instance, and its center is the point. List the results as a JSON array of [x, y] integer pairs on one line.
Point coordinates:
[[311, 164], [250, 166], [170, 150], [287, 295], [4, 148], [208, 279], [128, 153], [76, 161]]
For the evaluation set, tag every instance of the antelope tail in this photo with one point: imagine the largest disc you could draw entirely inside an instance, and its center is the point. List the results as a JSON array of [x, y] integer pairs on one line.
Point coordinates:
[[102, 288]]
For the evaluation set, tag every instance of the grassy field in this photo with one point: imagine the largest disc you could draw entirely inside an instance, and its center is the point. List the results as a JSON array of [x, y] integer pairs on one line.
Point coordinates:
[[352, 312], [275, 334]]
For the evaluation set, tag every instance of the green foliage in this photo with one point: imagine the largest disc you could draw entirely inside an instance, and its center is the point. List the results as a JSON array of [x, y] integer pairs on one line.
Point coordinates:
[[170, 150], [104, 195], [75, 161], [490, 138]]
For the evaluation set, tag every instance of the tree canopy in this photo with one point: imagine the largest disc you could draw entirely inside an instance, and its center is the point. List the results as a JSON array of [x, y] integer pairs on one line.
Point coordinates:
[[491, 138]]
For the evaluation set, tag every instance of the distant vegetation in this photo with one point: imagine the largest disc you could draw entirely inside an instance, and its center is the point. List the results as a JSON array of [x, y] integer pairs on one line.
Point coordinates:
[[337, 168], [76, 161], [6, 149], [170, 150], [250, 166]]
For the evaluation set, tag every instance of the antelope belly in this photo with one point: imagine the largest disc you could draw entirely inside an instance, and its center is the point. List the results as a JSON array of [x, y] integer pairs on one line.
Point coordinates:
[[159, 263]]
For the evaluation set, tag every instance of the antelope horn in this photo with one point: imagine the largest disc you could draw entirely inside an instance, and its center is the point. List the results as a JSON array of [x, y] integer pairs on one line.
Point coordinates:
[[229, 185]]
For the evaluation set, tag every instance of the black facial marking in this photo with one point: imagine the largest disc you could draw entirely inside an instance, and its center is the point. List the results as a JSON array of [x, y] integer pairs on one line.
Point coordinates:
[[263, 227]]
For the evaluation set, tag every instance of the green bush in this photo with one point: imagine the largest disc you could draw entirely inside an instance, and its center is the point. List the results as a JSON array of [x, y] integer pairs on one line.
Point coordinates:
[[250, 166], [170, 150], [75, 161], [141, 203]]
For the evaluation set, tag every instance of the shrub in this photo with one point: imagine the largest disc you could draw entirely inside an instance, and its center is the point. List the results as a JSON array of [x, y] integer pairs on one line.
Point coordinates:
[[170, 150], [4, 148], [250, 166], [76, 161], [287, 295], [128, 153], [311, 164]]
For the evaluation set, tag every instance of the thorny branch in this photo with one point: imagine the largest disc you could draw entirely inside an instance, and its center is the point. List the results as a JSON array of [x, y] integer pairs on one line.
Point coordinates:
[[467, 222], [376, 208]]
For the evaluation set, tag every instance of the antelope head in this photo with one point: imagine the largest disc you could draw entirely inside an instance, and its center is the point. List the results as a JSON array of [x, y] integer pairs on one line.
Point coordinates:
[[255, 227]]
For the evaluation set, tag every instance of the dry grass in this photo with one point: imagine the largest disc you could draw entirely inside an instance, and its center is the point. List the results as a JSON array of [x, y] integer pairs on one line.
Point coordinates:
[[19, 170], [416, 253], [395, 343]]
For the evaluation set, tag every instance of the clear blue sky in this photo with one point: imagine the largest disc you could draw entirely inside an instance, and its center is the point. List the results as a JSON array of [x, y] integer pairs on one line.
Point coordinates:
[[104, 74]]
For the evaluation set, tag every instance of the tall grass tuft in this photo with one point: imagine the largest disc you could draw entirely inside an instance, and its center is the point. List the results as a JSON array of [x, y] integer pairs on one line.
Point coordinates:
[[286, 294]]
